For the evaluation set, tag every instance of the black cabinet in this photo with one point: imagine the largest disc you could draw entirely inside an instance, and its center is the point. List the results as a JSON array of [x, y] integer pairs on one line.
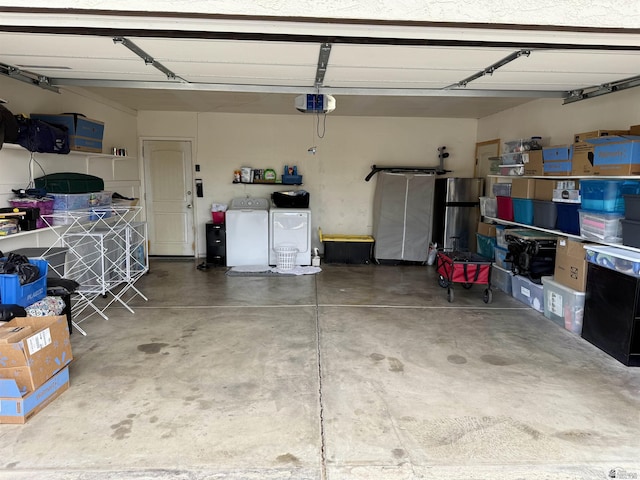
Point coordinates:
[[612, 314], [216, 244]]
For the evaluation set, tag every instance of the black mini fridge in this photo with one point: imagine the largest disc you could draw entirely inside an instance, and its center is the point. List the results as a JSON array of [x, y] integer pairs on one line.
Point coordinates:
[[612, 314]]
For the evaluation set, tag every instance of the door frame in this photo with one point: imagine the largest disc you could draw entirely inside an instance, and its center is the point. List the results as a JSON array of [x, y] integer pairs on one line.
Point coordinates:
[[143, 180]]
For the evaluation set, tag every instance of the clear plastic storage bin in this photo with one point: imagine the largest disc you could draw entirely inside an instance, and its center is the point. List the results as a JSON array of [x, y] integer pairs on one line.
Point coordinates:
[[502, 189], [500, 231], [604, 227], [563, 305], [527, 292], [500, 257], [501, 278], [488, 207]]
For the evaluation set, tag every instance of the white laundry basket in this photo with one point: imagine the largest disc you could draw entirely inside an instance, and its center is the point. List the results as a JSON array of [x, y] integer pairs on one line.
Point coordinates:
[[286, 257]]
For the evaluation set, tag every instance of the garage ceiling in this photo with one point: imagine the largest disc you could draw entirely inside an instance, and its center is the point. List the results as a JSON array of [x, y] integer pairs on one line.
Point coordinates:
[[390, 73]]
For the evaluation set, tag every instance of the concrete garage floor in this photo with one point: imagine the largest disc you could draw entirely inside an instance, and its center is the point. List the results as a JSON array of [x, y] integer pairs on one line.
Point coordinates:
[[359, 372]]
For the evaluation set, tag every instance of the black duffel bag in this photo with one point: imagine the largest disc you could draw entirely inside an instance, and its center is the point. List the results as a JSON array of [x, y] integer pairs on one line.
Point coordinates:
[[42, 137]]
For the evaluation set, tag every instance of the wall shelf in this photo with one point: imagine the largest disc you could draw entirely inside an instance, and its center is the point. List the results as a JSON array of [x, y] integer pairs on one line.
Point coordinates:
[[568, 177], [561, 233], [73, 153]]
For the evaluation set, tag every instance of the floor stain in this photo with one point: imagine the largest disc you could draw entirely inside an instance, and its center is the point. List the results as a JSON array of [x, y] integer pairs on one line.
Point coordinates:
[[205, 404], [398, 452], [287, 458], [122, 430], [577, 436], [377, 357], [456, 359], [131, 415], [496, 360], [11, 465], [395, 365], [150, 348], [153, 419]]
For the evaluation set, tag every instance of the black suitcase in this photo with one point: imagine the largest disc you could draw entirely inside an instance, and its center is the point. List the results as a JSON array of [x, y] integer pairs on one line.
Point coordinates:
[[532, 254]]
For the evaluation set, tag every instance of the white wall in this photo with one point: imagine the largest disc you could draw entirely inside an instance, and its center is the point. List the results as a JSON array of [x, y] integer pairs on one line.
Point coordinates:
[[550, 119], [341, 200], [120, 174]]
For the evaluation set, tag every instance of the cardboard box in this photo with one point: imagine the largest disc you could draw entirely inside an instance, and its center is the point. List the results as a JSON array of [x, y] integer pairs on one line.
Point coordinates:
[[84, 134], [634, 130], [17, 409], [32, 361], [12, 333], [571, 264], [581, 137], [558, 168], [544, 189], [616, 155], [486, 229], [523, 187], [557, 153], [533, 165], [582, 162]]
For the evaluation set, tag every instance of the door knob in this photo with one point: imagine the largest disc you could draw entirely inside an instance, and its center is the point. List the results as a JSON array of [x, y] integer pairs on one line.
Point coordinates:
[[189, 206]]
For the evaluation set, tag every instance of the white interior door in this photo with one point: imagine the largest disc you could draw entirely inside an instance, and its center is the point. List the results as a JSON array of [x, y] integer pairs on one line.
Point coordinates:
[[169, 197]]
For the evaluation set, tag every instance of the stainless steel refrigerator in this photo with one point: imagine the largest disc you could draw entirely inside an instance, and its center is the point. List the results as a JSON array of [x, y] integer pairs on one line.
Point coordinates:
[[456, 212]]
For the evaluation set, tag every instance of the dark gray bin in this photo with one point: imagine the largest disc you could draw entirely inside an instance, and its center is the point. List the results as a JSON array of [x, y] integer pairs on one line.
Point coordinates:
[[630, 232], [632, 207], [545, 214]]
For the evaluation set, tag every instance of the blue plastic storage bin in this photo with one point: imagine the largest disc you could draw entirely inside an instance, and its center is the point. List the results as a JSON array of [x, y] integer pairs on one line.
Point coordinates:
[[607, 195], [11, 292], [523, 210], [500, 257], [568, 220], [486, 246]]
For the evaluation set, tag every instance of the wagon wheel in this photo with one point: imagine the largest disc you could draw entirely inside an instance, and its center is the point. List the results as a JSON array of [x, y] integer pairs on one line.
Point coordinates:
[[488, 296], [443, 282], [467, 286], [450, 294]]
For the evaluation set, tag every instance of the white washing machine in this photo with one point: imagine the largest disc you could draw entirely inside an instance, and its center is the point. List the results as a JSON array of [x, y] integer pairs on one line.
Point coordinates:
[[247, 231], [290, 227]]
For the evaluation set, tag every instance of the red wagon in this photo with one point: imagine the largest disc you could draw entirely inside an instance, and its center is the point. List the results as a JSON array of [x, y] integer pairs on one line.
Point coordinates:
[[465, 268]]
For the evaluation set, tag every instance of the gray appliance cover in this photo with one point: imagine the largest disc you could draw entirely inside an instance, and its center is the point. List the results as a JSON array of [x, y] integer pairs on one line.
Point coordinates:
[[402, 216]]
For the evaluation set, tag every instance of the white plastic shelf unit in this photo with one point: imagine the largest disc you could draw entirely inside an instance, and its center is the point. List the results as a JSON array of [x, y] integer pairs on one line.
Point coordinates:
[[106, 255]]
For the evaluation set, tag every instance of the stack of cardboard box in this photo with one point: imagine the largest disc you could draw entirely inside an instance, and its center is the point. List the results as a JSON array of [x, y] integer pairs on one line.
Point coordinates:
[[35, 353]]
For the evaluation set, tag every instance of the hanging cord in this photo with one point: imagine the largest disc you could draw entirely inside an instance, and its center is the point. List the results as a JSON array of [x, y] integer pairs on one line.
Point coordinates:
[[324, 124], [32, 160]]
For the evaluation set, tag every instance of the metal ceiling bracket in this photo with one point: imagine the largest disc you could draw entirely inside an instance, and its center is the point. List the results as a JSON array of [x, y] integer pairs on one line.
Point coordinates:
[[599, 90], [27, 77], [490, 69], [148, 59], [323, 61]]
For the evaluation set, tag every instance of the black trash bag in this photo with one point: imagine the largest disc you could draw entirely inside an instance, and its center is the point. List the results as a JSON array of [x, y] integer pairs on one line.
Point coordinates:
[[8, 126], [19, 265], [42, 137]]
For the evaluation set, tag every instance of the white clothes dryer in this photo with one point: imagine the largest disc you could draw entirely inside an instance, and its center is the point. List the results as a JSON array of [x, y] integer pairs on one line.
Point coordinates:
[[290, 227], [247, 231]]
